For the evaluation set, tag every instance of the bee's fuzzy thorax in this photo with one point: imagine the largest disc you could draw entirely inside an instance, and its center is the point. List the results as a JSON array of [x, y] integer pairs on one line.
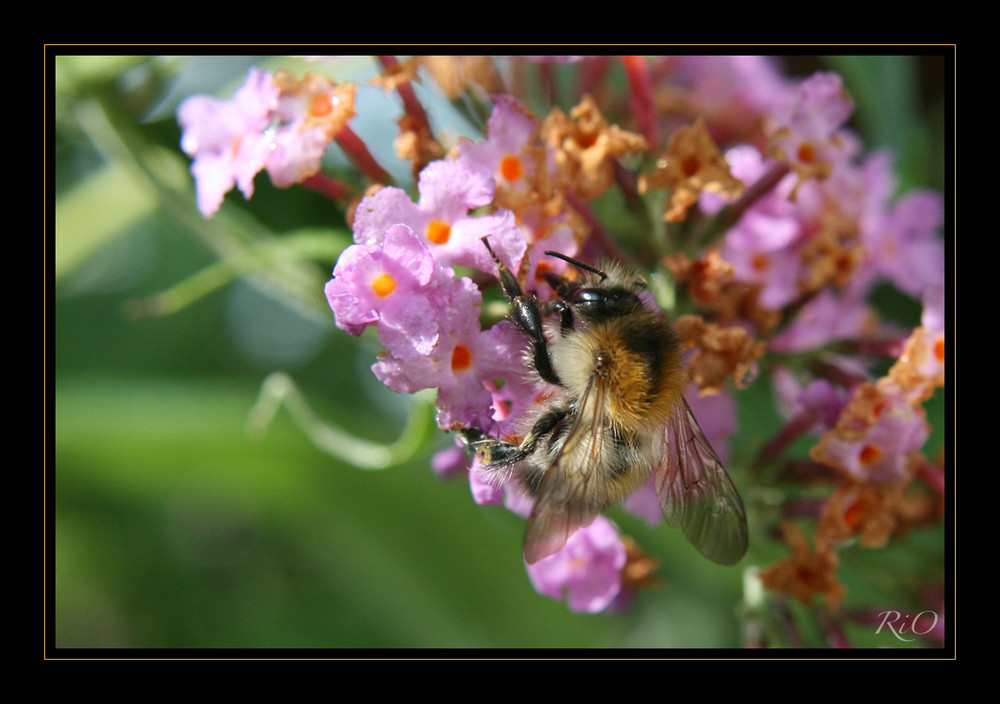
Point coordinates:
[[637, 363]]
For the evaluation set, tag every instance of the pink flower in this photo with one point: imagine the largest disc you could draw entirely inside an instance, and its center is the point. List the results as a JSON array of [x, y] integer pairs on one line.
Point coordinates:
[[486, 487], [903, 243], [777, 268], [933, 315], [226, 138], [294, 155], [449, 191], [274, 123], [731, 87], [932, 322], [393, 286], [453, 306], [465, 395], [556, 237], [517, 391], [450, 462], [511, 149], [763, 245], [818, 398], [587, 572], [826, 318], [465, 362], [882, 452], [805, 128], [817, 108]]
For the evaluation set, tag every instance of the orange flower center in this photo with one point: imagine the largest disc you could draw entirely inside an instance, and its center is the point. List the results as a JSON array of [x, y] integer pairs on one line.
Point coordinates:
[[852, 516], [869, 454], [438, 232], [510, 168], [383, 285], [690, 165], [321, 105], [806, 153], [461, 358], [540, 271], [939, 349], [760, 263]]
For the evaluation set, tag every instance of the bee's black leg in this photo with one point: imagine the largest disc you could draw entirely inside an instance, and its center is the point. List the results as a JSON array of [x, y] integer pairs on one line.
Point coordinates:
[[494, 452], [526, 314], [557, 305]]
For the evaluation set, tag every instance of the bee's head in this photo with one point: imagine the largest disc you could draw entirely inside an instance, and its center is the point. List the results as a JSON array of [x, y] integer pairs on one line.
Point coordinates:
[[601, 302], [601, 295]]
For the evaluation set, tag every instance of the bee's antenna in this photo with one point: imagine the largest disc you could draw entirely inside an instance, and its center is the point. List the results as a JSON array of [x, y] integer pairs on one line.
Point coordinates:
[[577, 262]]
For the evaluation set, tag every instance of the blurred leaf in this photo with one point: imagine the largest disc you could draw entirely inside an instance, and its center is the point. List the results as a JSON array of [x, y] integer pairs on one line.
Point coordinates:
[[96, 211], [73, 72], [182, 532], [886, 90]]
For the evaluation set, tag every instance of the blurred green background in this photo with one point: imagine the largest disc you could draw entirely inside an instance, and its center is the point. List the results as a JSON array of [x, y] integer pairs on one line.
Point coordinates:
[[172, 527]]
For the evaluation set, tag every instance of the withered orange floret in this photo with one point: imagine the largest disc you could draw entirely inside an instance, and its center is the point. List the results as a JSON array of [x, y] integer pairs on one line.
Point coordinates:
[[328, 105], [722, 352], [691, 163], [585, 146], [806, 573]]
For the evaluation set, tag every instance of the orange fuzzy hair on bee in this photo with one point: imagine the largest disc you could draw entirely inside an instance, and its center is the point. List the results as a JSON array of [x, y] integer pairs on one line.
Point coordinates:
[[636, 359]]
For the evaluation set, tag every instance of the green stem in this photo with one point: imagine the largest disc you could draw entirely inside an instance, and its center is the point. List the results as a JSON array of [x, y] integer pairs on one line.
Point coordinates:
[[279, 389], [262, 257], [234, 236]]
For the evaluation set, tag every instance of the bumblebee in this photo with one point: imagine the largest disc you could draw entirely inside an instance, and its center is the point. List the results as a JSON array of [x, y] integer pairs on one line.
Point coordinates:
[[617, 417]]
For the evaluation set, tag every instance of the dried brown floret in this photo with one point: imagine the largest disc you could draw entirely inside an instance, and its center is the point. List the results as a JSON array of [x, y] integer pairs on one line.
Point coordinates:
[[691, 163], [585, 146], [806, 573], [721, 353], [327, 104]]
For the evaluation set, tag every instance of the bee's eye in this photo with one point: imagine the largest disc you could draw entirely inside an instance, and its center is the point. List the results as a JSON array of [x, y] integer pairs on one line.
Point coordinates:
[[589, 297], [602, 302]]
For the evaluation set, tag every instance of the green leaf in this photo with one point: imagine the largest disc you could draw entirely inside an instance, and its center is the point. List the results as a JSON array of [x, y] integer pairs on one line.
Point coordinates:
[[96, 211]]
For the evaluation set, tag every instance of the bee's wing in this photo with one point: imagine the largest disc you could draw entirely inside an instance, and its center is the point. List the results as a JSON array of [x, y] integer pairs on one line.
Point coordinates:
[[550, 525], [562, 507], [697, 495]]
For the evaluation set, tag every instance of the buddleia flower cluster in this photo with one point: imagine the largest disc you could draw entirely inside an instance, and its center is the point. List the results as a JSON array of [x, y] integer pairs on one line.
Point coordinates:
[[767, 218]]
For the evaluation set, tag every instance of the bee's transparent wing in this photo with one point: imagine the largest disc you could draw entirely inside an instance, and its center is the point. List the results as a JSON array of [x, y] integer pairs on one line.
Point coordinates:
[[550, 525], [697, 495], [562, 507]]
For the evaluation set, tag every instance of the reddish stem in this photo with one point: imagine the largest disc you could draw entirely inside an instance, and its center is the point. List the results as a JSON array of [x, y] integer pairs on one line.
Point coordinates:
[[598, 235], [548, 81], [410, 102], [785, 437], [755, 192], [837, 374], [891, 348], [351, 144], [798, 508], [641, 97], [932, 476], [329, 187], [593, 70], [835, 635]]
